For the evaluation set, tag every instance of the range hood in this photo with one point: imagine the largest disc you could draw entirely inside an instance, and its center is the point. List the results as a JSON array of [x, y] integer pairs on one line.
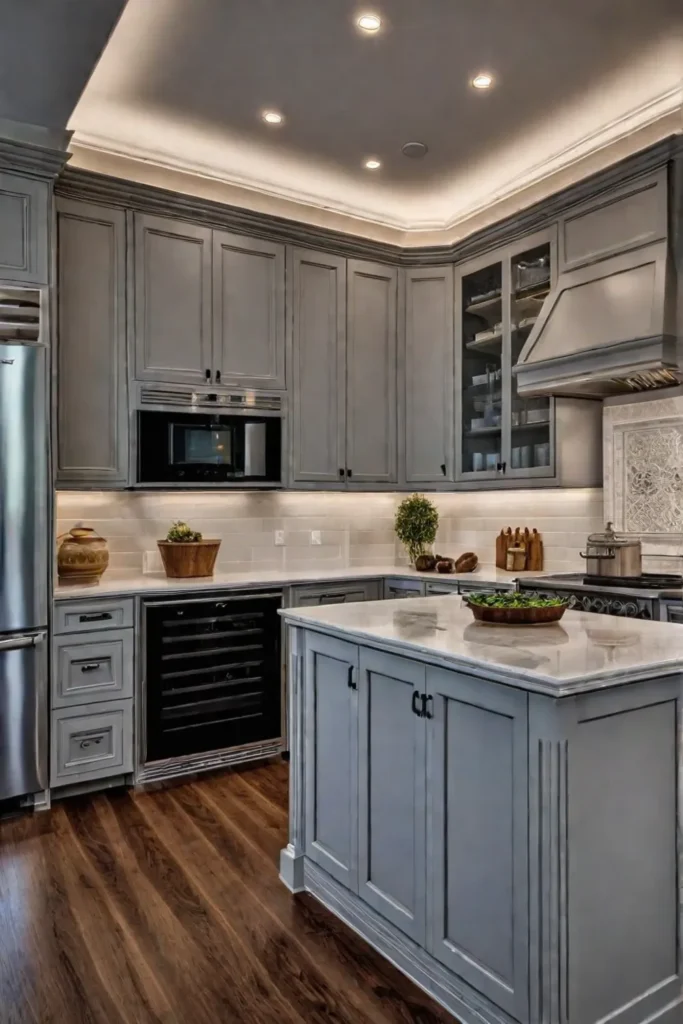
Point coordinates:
[[606, 329]]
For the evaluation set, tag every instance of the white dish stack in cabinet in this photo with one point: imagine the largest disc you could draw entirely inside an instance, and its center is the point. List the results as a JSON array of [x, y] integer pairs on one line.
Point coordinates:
[[92, 691]]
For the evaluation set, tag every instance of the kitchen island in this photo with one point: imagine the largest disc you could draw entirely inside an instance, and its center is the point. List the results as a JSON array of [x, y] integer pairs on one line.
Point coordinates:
[[494, 809]]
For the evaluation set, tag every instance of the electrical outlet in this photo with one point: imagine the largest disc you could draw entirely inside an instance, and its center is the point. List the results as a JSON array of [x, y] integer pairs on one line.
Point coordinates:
[[279, 538], [316, 537]]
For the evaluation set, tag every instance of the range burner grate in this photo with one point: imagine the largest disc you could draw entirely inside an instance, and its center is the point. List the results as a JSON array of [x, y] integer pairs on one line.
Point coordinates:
[[648, 581]]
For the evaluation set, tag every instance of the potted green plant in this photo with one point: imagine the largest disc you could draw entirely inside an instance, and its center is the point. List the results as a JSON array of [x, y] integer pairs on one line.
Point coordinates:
[[185, 553], [416, 523]]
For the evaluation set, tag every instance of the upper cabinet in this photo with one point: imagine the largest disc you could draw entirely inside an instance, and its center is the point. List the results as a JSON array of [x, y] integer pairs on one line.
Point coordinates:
[[502, 435], [371, 351], [209, 306], [248, 311], [24, 216], [90, 357], [344, 352], [173, 331], [427, 375], [317, 300]]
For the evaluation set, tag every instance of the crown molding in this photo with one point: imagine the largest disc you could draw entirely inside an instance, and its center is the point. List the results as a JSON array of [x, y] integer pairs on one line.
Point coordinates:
[[32, 149], [76, 183], [648, 113]]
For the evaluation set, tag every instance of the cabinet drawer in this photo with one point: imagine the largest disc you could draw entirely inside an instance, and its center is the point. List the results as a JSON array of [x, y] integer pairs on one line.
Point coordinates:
[[335, 593], [442, 588], [397, 588], [91, 744], [93, 669], [82, 616]]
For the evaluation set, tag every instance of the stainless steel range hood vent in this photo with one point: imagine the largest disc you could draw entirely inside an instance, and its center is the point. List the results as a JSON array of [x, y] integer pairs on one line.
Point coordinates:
[[606, 329]]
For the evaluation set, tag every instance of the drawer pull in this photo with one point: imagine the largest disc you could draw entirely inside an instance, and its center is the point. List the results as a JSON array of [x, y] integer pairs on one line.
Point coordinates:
[[91, 741], [95, 617], [92, 666]]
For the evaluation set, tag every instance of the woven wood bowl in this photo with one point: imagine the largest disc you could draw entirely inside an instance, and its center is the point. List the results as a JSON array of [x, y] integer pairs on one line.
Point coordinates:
[[188, 559], [517, 616]]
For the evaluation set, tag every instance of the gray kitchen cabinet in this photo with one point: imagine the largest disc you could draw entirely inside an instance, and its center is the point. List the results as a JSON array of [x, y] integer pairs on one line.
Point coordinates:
[[331, 741], [316, 284], [371, 351], [426, 375], [392, 787], [504, 437], [477, 840], [347, 592], [399, 588], [24, 218], [173, 315], [90, 359], [248, 312]]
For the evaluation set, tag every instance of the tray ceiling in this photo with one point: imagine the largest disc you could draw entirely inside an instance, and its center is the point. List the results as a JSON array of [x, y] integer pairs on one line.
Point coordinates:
[[181, 85]]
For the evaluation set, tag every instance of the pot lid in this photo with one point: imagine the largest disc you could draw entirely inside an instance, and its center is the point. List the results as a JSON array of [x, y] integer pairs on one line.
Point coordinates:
[[612, 539]]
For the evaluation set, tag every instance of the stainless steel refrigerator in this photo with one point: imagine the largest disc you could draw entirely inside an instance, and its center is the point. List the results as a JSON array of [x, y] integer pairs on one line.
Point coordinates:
[[24, 546]]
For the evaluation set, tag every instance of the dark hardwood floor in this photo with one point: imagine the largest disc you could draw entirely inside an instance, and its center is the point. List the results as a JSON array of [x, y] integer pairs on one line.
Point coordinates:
[[166, 907]]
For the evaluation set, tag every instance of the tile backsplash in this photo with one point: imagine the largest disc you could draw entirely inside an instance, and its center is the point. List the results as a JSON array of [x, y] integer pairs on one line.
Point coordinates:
[[354, 529]]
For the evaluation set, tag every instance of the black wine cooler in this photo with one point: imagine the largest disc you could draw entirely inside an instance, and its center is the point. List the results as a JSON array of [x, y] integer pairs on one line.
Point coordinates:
[[213, 674]]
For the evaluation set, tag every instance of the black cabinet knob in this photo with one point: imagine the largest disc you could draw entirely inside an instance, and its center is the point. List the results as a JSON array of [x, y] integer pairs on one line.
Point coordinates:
[[443, 468], [341, 473], [416, 700], [207, 374], [218, 376], [349, 473]]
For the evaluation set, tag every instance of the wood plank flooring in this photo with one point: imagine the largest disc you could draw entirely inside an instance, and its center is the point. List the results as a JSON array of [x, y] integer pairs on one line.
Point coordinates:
[[165, 908]]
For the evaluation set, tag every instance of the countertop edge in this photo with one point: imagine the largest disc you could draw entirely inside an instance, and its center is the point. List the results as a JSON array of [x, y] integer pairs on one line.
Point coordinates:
[[517, 678]]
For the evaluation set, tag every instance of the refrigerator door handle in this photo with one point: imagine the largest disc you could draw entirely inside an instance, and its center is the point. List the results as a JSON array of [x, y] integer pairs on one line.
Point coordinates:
[[14, 643]]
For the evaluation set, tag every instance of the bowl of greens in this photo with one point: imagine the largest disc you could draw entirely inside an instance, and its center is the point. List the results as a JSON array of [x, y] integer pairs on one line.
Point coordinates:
[[516, 609]]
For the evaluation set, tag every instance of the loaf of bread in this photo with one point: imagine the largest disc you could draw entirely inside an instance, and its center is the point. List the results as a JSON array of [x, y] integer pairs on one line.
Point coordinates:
[[467, 562]]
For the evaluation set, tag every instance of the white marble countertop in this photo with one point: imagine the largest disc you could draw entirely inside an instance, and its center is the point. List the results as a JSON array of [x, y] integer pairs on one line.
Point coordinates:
[[582, 652], [113, 584]]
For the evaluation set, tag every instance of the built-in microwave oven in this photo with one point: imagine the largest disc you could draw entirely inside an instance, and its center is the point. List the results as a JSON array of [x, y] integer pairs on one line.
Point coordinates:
[[200, 447]]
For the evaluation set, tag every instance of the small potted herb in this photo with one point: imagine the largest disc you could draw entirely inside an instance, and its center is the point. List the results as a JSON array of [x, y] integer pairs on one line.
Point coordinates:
[[416, 523], [186, 554]]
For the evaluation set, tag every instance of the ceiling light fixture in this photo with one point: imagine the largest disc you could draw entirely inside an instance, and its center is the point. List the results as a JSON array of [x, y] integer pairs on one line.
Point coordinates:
[[372, 163], [482, 80], [370, 23], [272, 117]]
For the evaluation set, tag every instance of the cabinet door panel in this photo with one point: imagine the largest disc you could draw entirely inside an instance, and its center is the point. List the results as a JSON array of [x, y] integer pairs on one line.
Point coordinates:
[[331, 757], [477, 839], [172, 300], [92, 412], [392, 791], [249, 311], [24, 215], [371, 454], [317, 299], [428, 374]]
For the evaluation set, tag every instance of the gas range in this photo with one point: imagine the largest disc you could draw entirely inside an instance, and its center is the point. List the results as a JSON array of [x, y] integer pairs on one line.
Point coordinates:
[[649, 596]]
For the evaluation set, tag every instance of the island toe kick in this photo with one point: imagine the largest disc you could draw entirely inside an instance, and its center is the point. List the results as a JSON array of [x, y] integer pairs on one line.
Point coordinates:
[[515, 854]]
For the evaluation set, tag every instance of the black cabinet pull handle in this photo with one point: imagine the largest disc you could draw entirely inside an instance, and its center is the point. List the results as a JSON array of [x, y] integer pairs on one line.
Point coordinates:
[[426, 698], [341, 473], [92, 666], [351, 679], [505, 466], [349, 473], [443, 468], [95, 617], [416, 709], [218, 376], [207, 374], [91, 741]]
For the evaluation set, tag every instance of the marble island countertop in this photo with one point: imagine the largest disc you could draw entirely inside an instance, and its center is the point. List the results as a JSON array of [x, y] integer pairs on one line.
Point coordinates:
[[124, 584], [582, 652]]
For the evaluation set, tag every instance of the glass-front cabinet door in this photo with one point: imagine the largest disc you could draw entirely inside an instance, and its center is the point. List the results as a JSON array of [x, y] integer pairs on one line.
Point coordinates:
[[499, 298]]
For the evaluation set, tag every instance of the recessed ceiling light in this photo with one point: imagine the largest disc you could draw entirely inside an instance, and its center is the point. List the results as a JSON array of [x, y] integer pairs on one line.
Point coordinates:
[[372, 163], [482, 80], [414, 150], [369, 22], [272, 117]]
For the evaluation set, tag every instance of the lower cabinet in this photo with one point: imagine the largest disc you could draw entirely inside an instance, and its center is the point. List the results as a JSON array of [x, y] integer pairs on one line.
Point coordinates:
[[92, 691], [416, 801], [395, 589], [331, 757], [347, 592], [391, 790]]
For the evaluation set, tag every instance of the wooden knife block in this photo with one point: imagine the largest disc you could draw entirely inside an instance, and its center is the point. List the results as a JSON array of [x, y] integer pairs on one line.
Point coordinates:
[[520, 537]]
